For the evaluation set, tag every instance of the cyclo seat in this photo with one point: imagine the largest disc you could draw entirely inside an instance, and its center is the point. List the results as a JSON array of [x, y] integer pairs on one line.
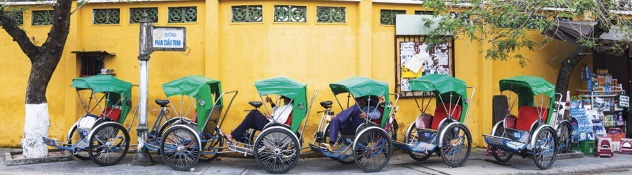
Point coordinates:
[[256, 104], [326, 104], [162, 103], [527, 115]]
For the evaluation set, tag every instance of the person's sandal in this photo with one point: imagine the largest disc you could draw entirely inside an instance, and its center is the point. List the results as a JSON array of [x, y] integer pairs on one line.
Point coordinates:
[[329, 148], [228, 142]]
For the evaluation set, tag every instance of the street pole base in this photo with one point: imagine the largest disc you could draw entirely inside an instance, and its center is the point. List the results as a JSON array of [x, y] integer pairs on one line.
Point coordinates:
[[142, 158]]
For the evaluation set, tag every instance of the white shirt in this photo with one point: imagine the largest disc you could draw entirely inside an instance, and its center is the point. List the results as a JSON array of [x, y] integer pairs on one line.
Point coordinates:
[[281, 113]]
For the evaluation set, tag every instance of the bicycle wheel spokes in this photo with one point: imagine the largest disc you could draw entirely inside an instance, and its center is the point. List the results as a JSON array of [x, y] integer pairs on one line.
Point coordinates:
[[277, 151], [456, 145], [544, 151], [180, 148], [108, 144], [372, 150]]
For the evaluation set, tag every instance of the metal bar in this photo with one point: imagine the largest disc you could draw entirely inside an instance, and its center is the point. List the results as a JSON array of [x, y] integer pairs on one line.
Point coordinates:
[[192, 104], [308, 110], [429, 100], [338, 102], [469, 105], [264, 104], [227, 108], [83, 105], [133, 116]]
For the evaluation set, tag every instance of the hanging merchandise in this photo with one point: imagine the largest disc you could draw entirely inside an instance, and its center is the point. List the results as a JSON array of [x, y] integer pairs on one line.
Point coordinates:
[[584, 129]]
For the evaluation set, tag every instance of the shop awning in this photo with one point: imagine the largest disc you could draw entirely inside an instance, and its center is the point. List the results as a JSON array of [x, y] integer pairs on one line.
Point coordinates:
[[571, 31]]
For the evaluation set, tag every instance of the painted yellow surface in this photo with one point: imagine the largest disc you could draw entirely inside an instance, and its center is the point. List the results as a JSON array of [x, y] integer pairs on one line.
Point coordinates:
[[240, 53]]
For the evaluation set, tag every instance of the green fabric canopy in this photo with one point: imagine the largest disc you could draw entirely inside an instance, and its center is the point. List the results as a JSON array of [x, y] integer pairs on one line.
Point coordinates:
[[362, 86], [280, 86], [102, 83], [119, 92], [527, 87], [438, 82], [202, 89], [290, 88], [189, 85]]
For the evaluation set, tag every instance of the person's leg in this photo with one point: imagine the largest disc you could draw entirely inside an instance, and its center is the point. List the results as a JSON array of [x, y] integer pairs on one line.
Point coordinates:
[[334, 127], [249, 122]]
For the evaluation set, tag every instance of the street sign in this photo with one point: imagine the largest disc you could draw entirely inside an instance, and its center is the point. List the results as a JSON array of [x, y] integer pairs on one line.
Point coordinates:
[[168, 38]]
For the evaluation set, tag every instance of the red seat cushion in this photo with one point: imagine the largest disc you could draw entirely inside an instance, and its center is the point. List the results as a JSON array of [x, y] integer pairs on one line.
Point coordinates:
[[441, 113], [113, 113], [289, 119], [194, 119], [379, 121], [527, 115]]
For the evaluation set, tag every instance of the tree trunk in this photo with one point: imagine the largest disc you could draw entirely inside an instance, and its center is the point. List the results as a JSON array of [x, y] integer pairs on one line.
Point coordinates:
[[44, 61], [564, 76]]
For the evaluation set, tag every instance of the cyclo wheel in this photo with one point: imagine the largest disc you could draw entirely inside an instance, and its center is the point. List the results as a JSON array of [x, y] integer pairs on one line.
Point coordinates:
[[372, 149], [277, 150], [105, 141], [392, 130], [411, 137], [544, 151], [180, 148], [500, 155], [169, 123], [339, 142], [564, 137], [215, 143], [456, 146], [75, 137]]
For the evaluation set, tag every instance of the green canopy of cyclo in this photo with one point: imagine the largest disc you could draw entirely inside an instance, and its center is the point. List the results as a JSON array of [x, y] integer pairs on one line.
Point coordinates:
[[438, 82], [117, 91], [362, 86], [199, 87], [290, 88], [527, 87]]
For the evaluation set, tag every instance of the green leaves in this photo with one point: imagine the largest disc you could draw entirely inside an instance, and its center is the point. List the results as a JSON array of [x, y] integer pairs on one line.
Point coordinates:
[[506, 24]]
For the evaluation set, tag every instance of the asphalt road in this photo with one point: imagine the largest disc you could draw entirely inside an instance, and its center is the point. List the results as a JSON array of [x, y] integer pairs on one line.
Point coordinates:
[[399, 164]]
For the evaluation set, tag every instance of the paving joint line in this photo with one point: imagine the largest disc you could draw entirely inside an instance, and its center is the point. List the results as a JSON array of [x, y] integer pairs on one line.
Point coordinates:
[[203, 170], [407, 166], [432, 169], [244, 171]]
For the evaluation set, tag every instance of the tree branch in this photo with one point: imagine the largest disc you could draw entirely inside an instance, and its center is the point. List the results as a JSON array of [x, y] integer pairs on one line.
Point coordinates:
[[61, 26], [19, 36]]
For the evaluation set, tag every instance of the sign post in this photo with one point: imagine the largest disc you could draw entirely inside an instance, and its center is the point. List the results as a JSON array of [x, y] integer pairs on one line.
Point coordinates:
[[151, 39]]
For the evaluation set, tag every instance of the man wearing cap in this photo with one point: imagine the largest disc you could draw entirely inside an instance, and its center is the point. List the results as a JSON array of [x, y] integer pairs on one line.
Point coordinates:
[[348, 120], [256, 120]]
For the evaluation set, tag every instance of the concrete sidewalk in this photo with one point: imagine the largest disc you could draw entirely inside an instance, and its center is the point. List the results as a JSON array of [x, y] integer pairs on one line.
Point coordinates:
[[399, 164]]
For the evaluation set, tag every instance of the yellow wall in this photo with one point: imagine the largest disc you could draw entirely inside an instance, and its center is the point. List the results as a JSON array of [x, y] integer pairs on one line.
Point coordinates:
[[240, 53]]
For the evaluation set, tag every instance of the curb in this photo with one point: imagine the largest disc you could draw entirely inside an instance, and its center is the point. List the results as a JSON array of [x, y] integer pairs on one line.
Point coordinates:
[[9, 161]]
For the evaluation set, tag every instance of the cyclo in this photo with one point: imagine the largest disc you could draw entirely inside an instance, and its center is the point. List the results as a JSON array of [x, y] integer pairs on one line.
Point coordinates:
[[101, 138], [444, 133], [186, 107], [537, 131], [276, 148], [371, 146]]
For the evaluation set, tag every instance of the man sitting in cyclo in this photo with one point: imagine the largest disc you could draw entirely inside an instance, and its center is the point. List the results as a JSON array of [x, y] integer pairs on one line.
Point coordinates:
[[348, 120], [256, 120]]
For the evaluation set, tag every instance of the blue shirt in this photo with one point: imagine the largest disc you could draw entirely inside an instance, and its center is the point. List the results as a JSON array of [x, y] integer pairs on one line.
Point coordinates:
[[347, 114]]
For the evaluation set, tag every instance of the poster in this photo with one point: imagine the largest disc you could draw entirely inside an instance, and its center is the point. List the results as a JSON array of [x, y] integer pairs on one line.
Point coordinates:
[[437, 60]]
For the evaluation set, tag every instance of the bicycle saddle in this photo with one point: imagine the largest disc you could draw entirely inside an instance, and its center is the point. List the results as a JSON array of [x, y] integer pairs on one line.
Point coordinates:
[[256, 104], [326, 104], [162, 103]]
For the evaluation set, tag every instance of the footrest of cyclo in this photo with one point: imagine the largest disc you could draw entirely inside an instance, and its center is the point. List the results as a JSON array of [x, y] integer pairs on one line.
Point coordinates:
[[323, 150], [504, 143], [316, 149], [56, 143]]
